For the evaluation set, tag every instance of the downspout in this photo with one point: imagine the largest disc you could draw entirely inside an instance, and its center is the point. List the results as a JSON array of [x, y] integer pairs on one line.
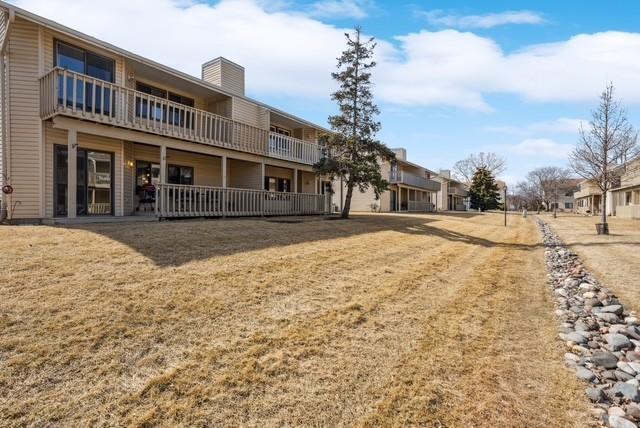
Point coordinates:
[[5, 210]]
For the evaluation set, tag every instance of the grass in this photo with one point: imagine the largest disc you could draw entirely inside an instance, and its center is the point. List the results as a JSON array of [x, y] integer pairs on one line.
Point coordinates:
[[613, 258], [433, 320]]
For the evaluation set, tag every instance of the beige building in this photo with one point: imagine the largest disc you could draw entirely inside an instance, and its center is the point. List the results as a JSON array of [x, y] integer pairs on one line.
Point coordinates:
[[453, 194], [624, 201], [588, 198], [411, 189], [89, 129]]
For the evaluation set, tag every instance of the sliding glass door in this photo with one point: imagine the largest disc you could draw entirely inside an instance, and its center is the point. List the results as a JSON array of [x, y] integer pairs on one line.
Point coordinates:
[[94, 177]]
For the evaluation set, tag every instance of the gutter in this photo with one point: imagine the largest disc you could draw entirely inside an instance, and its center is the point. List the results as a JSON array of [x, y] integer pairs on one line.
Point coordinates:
[[5, 211]]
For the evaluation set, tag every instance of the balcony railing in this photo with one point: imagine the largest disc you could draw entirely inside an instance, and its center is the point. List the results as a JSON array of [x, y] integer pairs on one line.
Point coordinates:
[[73, 94], [175, 200], [423, 206], [293, 149], [413, 180]]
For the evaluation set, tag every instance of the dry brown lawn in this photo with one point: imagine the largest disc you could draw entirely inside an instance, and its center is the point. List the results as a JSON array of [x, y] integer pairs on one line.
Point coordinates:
[[432, 320], [614, 259]]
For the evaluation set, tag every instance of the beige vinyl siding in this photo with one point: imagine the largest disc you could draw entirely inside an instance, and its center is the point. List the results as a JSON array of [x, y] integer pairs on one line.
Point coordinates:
[[4, 20], [85, 141], [128, 179], [309, 134], [207, 170], [247, 112], [274, 171], [244, 175], [224, 73], [307, 182], [24, 119]]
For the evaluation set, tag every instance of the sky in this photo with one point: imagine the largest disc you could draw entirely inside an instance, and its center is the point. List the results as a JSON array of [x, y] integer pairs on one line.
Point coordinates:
[[452, 78]]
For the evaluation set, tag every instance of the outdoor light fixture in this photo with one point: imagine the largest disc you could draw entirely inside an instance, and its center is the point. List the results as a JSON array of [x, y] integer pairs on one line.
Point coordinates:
[[130, 163]]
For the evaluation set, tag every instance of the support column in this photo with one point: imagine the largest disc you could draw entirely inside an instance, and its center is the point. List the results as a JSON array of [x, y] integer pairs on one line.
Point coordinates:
[[72, 172], [262, 175], [163, 164], [399, 198], [295, 181], [224, 171]]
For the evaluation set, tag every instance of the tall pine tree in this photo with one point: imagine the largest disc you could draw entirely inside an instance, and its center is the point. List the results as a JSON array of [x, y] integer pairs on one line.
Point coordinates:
[[354, 154], [483, 192]]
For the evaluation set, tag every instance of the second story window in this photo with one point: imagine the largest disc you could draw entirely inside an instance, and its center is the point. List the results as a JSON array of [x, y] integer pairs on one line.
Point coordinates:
[[84, 62], [82, 93], [160, 111]]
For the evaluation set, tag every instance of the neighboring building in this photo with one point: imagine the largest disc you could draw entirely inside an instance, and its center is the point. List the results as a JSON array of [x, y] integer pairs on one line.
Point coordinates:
[[588, 198], [625, 197], [566, 200], [453, 194], [411, 188], [132, 136]]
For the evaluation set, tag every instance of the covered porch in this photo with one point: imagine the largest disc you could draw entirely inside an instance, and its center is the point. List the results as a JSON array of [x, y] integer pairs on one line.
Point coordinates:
[[411, 199], [589, 205], [626, 202], [164, 178]]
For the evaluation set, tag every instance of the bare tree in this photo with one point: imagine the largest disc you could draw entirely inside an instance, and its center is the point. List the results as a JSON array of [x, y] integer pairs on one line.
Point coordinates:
[[531, 193], [550, 182], [604, 147], [464, 169]]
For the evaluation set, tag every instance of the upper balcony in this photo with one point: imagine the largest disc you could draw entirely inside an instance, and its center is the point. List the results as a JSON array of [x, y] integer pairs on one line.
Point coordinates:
[[64, 92], [457, 191], [403, 177]]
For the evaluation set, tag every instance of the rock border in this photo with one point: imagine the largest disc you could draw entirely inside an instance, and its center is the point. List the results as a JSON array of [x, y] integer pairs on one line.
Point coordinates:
[[601, 336]]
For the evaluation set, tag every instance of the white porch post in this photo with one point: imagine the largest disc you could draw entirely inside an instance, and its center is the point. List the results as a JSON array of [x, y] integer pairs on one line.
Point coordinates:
[[399, 198], [224, 171], [72, 172], [163, 164], [262, 175], [295, 180]]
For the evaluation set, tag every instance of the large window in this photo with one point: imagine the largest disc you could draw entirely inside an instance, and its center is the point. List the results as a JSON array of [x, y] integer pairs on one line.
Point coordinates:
[[160, 111], [180, 174], [276, 184], [88, 63]]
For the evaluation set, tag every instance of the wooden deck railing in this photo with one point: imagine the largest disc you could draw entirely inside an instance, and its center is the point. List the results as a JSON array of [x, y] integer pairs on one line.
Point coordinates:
[[73, 94], [413, 180], [423, 206], [289, 148], [458, 191], [174, 200]]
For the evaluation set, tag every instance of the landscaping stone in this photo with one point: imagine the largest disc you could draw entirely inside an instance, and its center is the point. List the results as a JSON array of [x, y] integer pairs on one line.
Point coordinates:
[[605, 359], [602, 338], [617, 341]]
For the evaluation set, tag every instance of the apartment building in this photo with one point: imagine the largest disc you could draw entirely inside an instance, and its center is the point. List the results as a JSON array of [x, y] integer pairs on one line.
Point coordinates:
[[411, 189], [90, 129], [624, 201], [453, 195], [588, 198]]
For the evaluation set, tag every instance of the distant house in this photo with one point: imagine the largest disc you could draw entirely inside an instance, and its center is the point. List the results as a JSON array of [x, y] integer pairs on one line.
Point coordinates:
[[566, 199], [412, 188], [588, 198], [453, 194]]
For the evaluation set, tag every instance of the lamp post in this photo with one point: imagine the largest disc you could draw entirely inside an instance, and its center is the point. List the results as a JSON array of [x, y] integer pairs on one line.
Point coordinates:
[[505, 205]]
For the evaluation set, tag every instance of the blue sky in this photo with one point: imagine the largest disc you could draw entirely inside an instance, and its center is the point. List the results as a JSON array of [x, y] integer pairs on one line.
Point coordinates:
[[454, 77]]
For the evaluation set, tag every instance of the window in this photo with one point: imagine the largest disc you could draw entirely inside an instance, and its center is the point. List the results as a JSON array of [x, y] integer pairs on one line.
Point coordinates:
[[568, 205], [275, 184], [627, 198], [280, 130], [88, 63], [160, 111], [180, 175]]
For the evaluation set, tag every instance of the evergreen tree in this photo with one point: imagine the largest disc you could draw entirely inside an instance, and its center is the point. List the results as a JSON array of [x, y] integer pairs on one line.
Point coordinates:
[[483, 192], [354, 154]]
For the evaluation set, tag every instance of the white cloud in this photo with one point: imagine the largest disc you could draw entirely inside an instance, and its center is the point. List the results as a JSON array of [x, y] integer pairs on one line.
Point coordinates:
[[490, 20], [288, 52], [340, 9], [541, 147], [562, 125]]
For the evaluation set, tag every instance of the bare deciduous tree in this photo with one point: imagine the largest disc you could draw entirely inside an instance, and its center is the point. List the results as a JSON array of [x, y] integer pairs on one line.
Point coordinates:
[[604, 147], [550, 182], [464, 169]]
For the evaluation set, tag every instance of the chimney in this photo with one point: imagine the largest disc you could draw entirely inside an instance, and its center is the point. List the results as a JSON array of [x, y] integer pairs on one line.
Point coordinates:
[[224, 73], [445, 173], [401, 153]]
